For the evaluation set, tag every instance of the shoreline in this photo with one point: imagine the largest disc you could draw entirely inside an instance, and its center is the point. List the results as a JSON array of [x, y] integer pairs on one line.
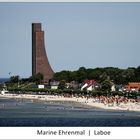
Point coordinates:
[[91, 102]]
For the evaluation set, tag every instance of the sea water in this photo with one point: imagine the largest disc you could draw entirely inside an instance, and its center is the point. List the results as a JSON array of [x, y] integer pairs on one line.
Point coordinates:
[[3, 80], [23, 112]]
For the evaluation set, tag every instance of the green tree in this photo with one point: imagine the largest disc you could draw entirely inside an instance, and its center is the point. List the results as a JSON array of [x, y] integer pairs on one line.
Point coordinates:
[[14, 79], [94, 74], [81, 74], [63, 75], [37, 78], [62, 84], [104, 77], [73, 76], [137, 74], [118, 76], [106, 85]]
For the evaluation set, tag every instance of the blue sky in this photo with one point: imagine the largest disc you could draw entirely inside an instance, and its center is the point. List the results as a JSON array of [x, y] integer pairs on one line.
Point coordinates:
[[76, 34]]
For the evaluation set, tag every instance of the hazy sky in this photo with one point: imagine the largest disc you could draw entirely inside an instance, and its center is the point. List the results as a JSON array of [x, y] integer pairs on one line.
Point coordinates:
[[76, 34]]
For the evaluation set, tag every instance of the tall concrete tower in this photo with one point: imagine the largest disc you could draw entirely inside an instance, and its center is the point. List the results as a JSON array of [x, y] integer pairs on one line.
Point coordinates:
[[40, 63]]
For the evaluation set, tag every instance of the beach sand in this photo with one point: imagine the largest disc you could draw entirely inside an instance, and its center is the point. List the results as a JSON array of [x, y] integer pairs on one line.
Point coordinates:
[[84, 101]]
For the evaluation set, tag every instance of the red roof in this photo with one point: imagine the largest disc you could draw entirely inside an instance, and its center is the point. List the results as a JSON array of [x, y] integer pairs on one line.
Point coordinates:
[[90, 82]]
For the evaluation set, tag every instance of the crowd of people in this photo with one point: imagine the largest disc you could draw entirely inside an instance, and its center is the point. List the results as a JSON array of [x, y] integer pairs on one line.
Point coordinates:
[[106, 102], [115, 100]]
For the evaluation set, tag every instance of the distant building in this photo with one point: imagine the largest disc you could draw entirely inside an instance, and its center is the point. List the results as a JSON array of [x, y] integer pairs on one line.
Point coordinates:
[[72, 85], [133, 86], [113, 88], [54, 84], [119, 88], [4, 91], [41, 86], [89, 85]]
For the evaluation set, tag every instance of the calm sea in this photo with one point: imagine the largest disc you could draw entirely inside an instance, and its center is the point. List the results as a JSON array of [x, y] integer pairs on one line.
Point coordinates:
[[17, 112], [2, 80]]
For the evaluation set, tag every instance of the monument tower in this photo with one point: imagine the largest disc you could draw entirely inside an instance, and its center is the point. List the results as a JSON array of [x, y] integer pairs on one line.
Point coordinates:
[[40, 63]]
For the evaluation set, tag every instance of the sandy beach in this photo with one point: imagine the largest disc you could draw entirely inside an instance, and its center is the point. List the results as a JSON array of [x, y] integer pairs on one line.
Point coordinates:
[[92, 102]]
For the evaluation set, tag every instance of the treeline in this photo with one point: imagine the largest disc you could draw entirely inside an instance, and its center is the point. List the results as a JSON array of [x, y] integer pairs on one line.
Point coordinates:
[[118, 76], [37, 78]]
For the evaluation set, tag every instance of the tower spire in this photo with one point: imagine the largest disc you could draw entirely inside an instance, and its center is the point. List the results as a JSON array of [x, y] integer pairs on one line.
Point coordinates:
[[40, 63]]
